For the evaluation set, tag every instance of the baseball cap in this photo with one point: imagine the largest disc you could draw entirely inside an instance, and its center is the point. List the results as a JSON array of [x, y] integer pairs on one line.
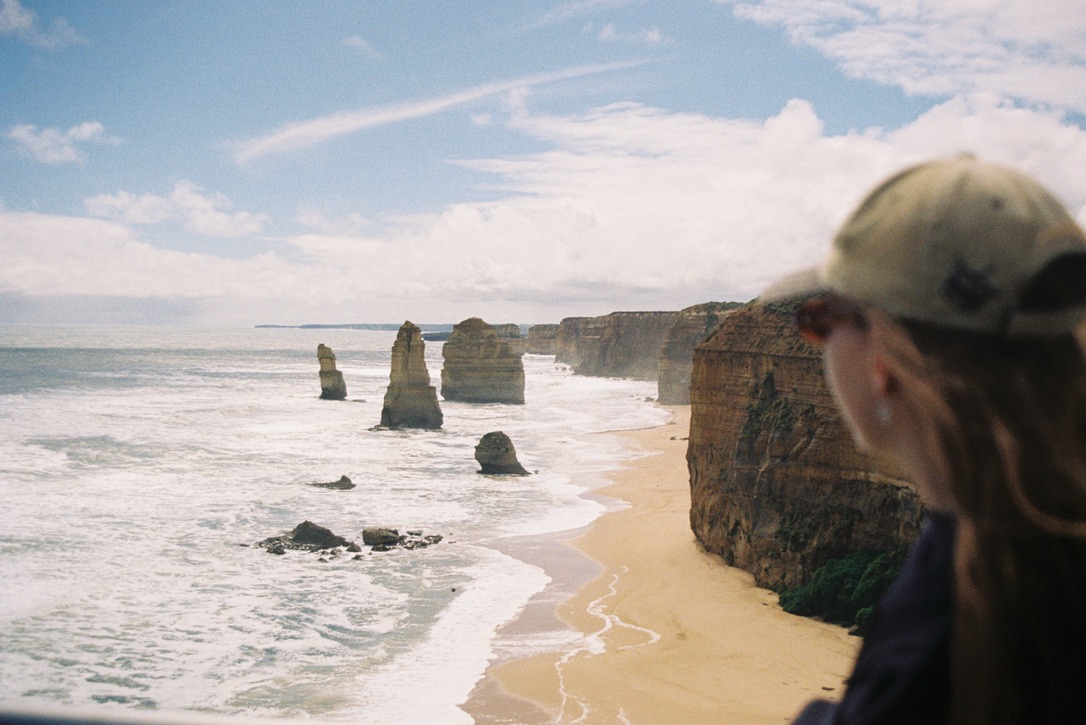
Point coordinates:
[[958, 243]]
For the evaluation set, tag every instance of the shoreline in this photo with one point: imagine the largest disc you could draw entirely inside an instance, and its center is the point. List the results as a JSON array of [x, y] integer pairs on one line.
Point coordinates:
[[663, 632]]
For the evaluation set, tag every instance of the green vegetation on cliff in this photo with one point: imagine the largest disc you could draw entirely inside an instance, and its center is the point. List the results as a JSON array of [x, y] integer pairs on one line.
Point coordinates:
[[844, 591]]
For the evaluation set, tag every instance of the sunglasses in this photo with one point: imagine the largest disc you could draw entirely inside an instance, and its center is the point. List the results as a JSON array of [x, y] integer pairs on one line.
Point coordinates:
[[817, 317]]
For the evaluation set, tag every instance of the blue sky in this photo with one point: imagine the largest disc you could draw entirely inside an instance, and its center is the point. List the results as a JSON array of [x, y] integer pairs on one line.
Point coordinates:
[[248, 162]]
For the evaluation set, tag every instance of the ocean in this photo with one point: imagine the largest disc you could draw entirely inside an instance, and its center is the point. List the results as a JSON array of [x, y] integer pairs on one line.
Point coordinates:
[[139, 466]]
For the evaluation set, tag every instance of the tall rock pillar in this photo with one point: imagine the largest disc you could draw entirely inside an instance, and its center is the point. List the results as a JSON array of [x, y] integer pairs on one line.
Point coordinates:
[[410, 401], [332, 385]]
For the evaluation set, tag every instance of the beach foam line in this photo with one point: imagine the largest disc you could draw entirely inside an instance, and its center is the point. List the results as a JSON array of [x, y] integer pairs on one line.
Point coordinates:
[[596, 643]]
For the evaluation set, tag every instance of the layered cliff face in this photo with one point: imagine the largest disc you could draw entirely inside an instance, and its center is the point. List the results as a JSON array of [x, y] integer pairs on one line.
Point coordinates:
[[542, 340], [621, 344], [567, 338], [692, 326], [333, 386], [480, 367], [410, 401], [777, 486]]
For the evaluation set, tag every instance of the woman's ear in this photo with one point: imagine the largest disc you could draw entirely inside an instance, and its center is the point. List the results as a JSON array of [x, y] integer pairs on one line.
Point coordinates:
[[883, 382]]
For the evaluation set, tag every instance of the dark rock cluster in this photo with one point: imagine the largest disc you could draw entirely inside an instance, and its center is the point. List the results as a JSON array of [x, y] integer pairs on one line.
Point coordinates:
[[308, 536]]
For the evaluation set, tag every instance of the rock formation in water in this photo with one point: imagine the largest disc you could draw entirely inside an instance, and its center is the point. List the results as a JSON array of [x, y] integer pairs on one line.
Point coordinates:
[[382, 539], [332, 385], [541, 340], [496, 455], [410, 401], [510, 332], [343, 484], [307, 536], [480, 367], [692, 326], [777, 486], [620, 345]]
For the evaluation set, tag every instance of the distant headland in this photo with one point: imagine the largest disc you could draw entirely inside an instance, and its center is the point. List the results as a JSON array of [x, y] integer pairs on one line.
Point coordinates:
[[360, 326]]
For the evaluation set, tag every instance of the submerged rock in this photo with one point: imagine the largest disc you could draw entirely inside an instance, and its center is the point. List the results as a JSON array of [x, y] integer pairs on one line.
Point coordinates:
[[333, 386], [343, 484], [496, 454], [382, 539], [306, 536], [410, 401]]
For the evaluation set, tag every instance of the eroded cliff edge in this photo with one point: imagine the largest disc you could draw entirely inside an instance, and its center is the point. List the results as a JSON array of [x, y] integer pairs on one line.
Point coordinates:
[[777, 486], [692, 326], [621, 344]]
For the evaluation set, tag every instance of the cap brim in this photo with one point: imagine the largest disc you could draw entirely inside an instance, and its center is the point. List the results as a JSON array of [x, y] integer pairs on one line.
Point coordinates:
[[799, 284]]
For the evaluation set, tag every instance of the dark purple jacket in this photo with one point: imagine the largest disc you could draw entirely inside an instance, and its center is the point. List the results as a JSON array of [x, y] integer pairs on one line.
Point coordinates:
[[902, 674]]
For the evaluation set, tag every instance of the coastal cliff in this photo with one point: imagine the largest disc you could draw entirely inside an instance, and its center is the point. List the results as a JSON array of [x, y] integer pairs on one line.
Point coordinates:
[[566, 339], [480, 367], [777, 486], [692, 326], [621, 344]]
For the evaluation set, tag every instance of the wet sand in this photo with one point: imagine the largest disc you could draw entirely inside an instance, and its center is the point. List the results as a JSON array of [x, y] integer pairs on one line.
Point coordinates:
[[665, 633]]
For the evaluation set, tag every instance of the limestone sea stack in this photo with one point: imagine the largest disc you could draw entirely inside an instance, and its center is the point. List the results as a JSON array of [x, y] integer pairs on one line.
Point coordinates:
[[480, 367], [693, 325], [541, 339], [496, 455], [333, 386], [410, 401], [777, 486], [510, 332]]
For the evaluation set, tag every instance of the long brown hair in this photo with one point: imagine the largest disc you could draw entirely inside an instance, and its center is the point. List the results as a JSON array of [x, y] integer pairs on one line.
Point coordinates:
[[1005, 424]]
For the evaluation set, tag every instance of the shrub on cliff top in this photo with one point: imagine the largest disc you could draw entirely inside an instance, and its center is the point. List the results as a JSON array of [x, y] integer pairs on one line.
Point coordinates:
[[844, 591]]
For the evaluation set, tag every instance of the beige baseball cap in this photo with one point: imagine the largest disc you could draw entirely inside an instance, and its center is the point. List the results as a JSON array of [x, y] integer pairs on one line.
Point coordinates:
[[958, 243]]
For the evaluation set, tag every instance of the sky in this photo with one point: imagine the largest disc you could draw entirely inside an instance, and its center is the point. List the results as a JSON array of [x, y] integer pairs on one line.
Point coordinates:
[[274, 162]]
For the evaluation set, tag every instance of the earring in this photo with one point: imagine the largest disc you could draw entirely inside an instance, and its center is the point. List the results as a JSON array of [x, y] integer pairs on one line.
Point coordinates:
[[884, 414]]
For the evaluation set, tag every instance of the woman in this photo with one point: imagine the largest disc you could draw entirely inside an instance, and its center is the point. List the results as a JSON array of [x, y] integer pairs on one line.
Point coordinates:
[[948, 312]]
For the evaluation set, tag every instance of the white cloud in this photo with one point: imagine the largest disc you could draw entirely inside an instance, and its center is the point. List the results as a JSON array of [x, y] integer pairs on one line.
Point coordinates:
[[22, 23], [202, 213], [630, 207], [318, 130], [53, 146], [652, 36], [579, 9], [363, 46], [634, 205], [1031, 51]]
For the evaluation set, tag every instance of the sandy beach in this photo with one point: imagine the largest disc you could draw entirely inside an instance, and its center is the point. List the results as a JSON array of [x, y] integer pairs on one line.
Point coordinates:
[[669, 633]]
